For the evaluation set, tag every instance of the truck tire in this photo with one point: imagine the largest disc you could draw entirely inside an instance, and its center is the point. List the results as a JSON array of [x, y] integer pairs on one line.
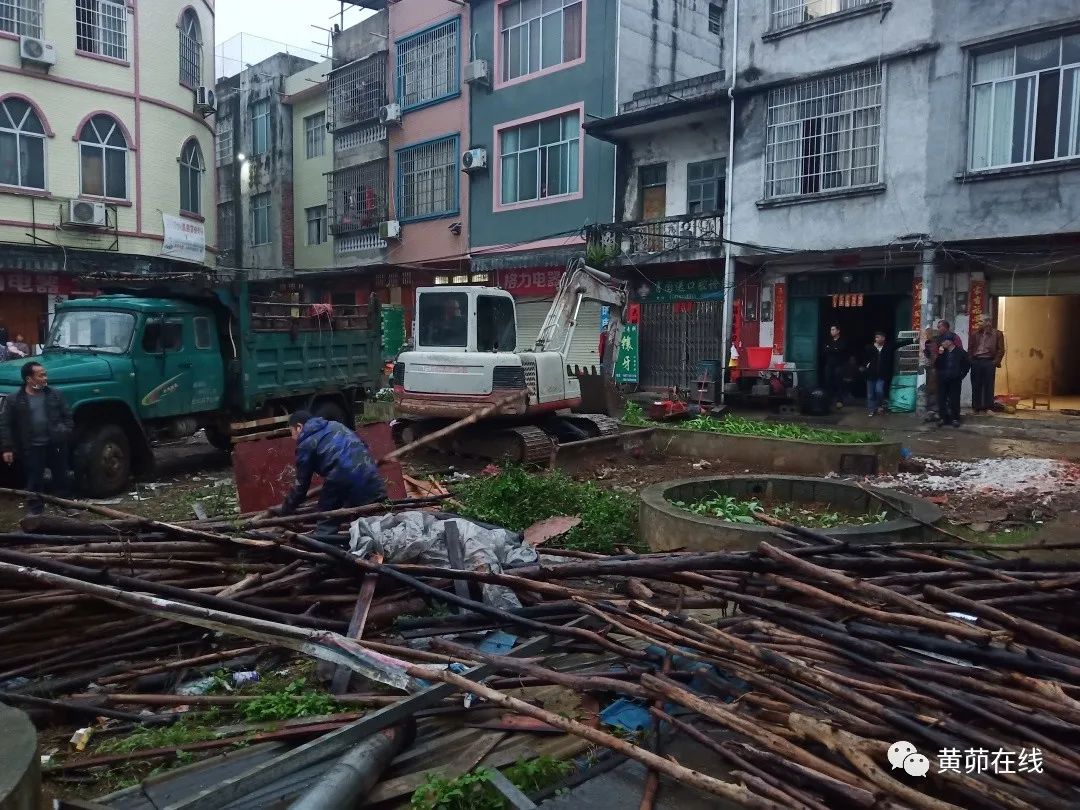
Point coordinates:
[[332, 412], [219, 440], [104, 461]]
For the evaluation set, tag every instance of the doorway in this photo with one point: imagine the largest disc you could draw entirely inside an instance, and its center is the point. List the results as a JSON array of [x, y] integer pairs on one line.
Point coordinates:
[[887, 313], [1041, 336]]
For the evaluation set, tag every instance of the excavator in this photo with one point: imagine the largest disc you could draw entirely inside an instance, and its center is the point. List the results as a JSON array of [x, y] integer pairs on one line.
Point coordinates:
[[463, 360]]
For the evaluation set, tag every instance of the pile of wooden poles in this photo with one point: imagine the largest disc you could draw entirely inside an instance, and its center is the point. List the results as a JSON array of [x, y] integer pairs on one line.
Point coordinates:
[[799, 664]]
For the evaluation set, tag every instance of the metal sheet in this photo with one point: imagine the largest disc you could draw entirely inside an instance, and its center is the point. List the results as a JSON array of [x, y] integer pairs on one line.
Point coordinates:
[[674, 343], [265, 469]]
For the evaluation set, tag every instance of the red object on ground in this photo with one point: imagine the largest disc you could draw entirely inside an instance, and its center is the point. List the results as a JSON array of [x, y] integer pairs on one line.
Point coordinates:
[[758, 357], [666, 409], [266, 469]]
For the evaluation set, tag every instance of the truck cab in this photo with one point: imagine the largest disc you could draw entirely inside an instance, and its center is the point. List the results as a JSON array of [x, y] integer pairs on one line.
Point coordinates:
[[132, 369]]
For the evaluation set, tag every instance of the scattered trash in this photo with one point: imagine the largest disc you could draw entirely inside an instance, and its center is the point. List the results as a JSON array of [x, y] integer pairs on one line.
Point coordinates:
[[81, 738], [241, 678], [540, 533]]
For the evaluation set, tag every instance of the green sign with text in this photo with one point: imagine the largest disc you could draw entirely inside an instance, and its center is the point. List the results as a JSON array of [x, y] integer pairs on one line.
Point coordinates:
[[626, 357]]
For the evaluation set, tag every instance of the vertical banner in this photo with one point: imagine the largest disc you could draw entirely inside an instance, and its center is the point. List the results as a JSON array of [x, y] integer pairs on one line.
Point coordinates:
[[916, 305], [779, 318], [626, 358], [977, 309]]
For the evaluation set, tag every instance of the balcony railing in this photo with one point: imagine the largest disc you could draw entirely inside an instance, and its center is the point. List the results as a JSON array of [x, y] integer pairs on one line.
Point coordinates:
[[686, 232], [357, 197], [356, 92]]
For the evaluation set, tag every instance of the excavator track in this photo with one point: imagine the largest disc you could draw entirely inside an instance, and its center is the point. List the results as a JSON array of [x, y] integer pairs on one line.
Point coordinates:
[[595, 424], [525, 444]]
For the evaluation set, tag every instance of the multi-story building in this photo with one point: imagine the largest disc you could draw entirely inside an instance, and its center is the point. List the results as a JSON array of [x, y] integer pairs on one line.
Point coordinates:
[[917, 160], [105, 136], [255, 161], [312, 162], [551, 67]]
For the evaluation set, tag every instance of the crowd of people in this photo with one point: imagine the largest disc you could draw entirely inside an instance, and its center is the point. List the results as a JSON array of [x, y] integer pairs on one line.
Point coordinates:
[[946, 359]]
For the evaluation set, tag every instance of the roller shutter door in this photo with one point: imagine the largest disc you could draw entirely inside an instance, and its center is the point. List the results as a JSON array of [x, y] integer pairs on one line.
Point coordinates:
[[530, 317], [1028, 282], [672, 344]]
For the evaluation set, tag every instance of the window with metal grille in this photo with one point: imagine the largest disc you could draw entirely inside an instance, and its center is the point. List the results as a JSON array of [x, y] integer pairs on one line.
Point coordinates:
[[539, 35], [357, 198], [22, 145], [786, 13], [705, 186], [191, 172], [260, 219], [429, 65], [260, 127], [427, 180], [540, 159], [824, 134], [1025, 103], [224, 141], [103, 151], [716, 18], [357, 92], [315, 135], [190, 50], [226, 225], [24, 18], [316, 225], [101, 28]]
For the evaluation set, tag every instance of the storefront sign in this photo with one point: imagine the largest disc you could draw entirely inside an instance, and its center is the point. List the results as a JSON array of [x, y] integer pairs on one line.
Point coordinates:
[[626, 357], [525, 283], [682, 289], [976, 303], [185, 239], [847, 301], [35, 283], [779, 318]]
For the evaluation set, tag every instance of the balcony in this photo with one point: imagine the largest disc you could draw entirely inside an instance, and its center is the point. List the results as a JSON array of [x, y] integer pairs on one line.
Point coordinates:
[[679, 236], [357, 198], [356, 92]]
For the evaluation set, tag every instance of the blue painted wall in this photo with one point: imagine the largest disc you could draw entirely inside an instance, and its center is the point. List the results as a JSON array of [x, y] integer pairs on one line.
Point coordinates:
[[591, 82]]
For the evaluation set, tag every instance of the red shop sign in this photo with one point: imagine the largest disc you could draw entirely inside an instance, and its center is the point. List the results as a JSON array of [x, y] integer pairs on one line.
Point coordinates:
[[540, 281], [35, 283]]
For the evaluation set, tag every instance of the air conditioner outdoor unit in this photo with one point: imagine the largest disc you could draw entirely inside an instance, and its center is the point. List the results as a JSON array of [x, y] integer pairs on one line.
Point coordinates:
[[86, 214], [391, 229], [205, 100], [476, 72], [474, 160], [37, 51], [390, 114]]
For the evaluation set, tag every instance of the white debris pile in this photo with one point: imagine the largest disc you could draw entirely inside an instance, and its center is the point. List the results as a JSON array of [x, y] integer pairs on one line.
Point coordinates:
[[1004, 476]]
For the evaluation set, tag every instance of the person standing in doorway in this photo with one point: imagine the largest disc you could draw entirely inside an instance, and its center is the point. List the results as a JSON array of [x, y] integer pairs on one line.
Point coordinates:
[[836, 357], [952, 366], [987, 352], [877, 364], [36, 427]]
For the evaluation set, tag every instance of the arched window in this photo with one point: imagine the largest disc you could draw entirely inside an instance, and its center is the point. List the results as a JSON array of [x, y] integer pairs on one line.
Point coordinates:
[[22, 145], [190, 50], [191, 171], [103, 158]]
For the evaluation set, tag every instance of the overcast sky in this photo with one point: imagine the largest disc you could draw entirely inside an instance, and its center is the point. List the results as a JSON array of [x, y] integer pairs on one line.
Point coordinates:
[[288, 21]]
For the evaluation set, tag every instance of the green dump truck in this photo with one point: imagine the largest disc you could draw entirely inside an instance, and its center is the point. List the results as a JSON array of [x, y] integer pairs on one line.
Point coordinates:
[[154, 361]]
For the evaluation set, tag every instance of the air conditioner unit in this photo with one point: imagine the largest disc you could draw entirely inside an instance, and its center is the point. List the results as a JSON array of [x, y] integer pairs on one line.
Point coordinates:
[[476, 72], [391, 229], [86, 214], [474, 160], [390, 114], [37, 51], [205, 100]]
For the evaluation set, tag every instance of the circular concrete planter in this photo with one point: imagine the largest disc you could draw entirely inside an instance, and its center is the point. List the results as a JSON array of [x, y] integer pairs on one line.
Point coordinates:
[[20, 776], [791, 456], [666, 527]]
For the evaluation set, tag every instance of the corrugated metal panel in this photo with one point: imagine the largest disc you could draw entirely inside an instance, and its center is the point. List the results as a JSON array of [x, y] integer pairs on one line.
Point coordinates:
[[672, 344], [530, 317], [1035, 283]]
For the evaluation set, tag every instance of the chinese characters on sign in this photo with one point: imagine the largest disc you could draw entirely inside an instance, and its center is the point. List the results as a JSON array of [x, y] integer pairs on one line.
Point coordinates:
[[183, 239], [976, 303], [916, 305], [626, 355], [540, 282], [779, 318], [41, 284], [684, 289], [847, 300]]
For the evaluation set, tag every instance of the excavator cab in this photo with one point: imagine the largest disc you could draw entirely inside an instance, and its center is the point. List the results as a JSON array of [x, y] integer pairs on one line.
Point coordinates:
[[466, 319]]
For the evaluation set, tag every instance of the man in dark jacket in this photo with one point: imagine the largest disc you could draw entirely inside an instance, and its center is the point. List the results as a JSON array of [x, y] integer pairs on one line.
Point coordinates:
[[350, 477], [836, 358], [35, 428], [952, 366], [877, 364]]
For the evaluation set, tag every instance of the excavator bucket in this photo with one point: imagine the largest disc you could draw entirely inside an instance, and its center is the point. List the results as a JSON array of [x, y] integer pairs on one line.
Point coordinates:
[[599, 392]]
